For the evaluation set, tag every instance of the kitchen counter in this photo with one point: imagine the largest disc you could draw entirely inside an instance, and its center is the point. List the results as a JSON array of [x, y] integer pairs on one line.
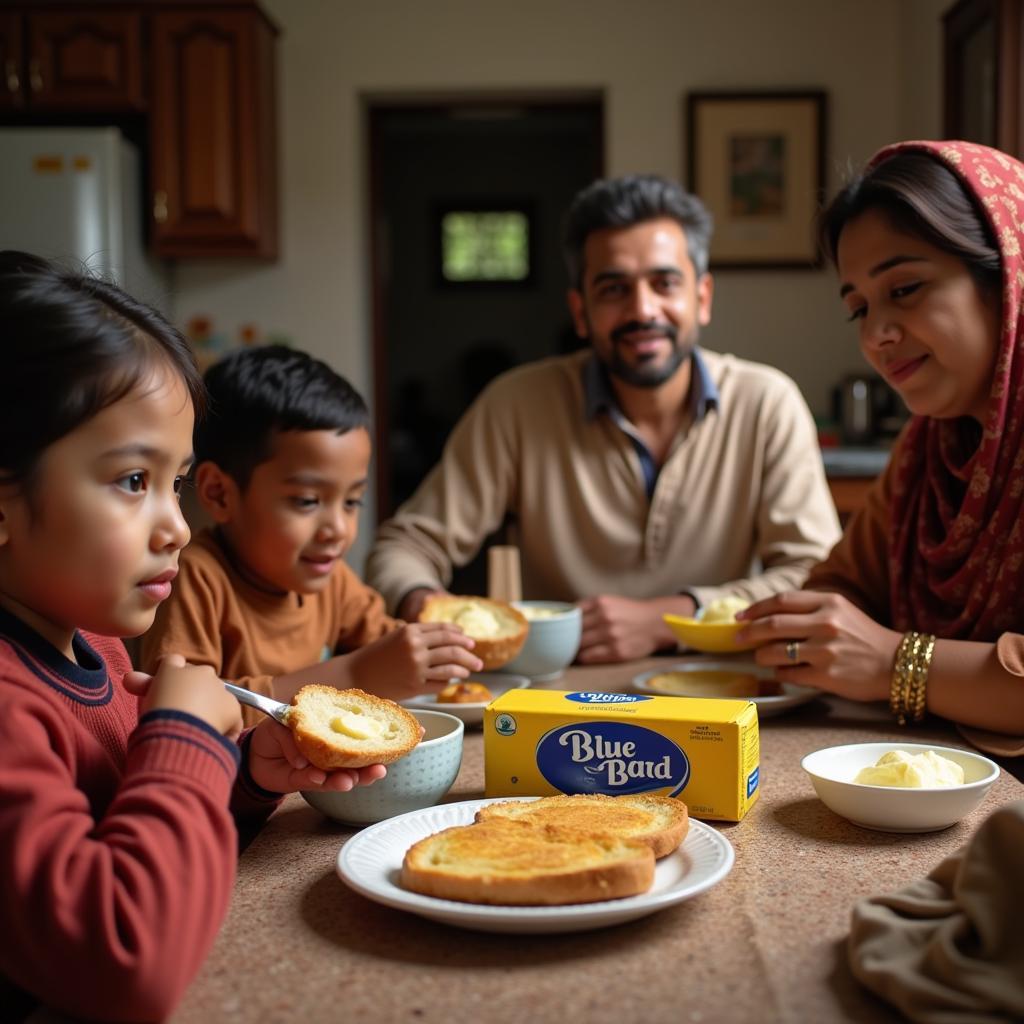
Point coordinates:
[[854, 462], [764, 945]]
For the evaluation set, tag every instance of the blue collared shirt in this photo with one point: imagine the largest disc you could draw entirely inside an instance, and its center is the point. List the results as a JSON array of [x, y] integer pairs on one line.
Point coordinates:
[[600, 397]]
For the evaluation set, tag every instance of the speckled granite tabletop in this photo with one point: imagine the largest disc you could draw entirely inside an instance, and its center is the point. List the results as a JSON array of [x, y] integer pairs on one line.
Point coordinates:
[[764, 945]]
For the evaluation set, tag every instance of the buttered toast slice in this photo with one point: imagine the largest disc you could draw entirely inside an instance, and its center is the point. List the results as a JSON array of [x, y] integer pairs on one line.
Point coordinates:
[[659, 821], [350, 728], [514, 863]]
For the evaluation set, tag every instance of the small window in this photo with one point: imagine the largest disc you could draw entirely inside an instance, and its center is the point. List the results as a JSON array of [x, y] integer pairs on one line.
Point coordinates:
[[485, 246]]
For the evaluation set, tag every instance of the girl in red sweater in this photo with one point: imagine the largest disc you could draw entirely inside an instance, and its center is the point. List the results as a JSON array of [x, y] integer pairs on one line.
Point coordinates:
[[120, 790]]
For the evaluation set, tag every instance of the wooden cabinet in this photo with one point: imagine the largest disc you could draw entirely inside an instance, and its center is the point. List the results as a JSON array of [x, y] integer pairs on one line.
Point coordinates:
[[212, 133], [12, 63], [848, 494], [88, 61], [197, 79], [984, 48], [78, 61]]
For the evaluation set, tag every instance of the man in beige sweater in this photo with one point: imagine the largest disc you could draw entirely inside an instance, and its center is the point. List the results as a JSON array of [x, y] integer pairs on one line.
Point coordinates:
[[641, 476]]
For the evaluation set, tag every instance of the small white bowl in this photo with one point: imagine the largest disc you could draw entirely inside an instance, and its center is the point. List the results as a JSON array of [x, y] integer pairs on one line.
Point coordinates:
[[891, 808], [552, 641], [417, 780]]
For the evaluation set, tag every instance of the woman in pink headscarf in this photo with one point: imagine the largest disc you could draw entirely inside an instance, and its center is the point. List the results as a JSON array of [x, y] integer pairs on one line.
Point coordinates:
[[922, 601]]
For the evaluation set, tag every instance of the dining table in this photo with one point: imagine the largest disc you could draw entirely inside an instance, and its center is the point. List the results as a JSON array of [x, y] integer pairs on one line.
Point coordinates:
[[767, 943]]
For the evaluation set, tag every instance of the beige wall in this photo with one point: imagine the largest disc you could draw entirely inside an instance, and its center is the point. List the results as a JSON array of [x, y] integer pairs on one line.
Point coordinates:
[[877, 59]]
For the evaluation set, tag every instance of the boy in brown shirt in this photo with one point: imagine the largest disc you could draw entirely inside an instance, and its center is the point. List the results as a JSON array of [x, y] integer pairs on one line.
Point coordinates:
[[264, 597]]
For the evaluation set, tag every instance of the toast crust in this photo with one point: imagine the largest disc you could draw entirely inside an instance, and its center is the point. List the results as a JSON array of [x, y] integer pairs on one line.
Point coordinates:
[[659, 821], [513, 863], [315, 707], [495, 646]]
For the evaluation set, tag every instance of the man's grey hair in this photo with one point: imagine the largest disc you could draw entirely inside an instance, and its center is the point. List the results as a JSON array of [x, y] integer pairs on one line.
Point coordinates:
[[633, 199]]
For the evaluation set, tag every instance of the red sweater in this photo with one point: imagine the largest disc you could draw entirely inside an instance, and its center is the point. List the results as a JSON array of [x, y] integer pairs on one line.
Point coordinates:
[[117, 844]]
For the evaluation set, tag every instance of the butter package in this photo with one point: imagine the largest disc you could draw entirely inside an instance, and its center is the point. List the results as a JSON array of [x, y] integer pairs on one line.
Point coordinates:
[[544, 742]]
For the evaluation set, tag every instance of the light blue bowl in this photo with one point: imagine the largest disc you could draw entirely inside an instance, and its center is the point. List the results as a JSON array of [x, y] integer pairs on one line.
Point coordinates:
[[417, 780], [551, 643]]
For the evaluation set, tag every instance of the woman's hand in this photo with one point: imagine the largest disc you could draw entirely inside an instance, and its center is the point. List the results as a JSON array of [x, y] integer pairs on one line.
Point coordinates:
[[819, 639], [275, 763]]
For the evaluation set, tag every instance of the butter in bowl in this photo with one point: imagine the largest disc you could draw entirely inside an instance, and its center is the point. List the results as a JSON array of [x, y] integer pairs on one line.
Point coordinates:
[[713, 629], [918, 792]]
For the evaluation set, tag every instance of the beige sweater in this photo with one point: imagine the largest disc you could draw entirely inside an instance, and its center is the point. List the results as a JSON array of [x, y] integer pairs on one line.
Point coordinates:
[[741, 504]]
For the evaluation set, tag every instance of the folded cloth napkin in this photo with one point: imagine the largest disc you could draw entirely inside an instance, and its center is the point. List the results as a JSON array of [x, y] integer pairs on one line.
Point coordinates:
[[949, 949]]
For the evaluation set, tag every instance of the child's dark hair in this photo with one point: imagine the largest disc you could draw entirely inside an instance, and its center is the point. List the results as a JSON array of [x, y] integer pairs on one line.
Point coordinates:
[[255, 393], [72, 346], [920, 196]]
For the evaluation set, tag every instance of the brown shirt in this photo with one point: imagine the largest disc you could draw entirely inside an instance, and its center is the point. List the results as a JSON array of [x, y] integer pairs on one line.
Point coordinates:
[[214, 617]]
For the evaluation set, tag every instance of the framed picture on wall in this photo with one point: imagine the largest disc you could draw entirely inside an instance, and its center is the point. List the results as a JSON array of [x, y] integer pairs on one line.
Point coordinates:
[[757, 159]]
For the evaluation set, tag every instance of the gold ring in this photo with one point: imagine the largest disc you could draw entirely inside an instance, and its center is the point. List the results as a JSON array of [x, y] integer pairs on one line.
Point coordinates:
[[793, 650]]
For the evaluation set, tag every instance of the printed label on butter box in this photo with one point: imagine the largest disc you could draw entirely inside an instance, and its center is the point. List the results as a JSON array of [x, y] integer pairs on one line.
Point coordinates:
[[704, 751], [611, 757]]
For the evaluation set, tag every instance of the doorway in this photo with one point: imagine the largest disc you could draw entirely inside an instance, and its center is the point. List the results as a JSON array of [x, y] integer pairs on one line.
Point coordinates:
[[467, 200]]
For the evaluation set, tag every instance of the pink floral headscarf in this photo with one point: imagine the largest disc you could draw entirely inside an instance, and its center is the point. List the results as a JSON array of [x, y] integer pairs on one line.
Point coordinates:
[[957, 538]]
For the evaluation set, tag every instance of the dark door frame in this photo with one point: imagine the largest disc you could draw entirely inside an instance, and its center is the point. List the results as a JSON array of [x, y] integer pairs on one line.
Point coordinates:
[[375, 106]]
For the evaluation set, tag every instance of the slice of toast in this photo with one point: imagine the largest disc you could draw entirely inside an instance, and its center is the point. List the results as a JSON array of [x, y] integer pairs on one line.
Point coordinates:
[[498, 629], [350, 728], [659, 821], [514, 863]]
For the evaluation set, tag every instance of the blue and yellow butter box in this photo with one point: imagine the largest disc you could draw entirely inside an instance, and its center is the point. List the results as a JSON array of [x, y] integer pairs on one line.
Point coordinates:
[[543, 742]]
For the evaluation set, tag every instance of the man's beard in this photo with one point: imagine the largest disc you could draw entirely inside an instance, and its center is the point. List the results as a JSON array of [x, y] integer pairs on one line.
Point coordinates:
[[648, 372]]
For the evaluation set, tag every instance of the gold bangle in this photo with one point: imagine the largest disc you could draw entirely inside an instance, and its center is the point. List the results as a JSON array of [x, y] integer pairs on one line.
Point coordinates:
[[896, 686], [903, 675], [908, 692], [922, 663]]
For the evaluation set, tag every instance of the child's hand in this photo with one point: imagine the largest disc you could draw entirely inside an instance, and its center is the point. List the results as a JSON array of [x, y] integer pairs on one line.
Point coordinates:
[[399, 664], [276, 764], [194, 689]]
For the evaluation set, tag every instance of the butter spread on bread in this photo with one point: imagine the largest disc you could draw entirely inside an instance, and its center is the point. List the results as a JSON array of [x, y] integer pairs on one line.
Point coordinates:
[[659, 821], [350, 728], [498, 629], [515, 863], [358, 725]]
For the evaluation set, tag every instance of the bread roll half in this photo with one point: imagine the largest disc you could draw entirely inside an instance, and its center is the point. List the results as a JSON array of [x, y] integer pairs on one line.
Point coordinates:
[[350, 728], [498, 629], [513, 863]]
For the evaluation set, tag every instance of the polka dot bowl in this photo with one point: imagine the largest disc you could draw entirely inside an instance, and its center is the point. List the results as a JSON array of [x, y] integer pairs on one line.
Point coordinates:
[[420, 779]]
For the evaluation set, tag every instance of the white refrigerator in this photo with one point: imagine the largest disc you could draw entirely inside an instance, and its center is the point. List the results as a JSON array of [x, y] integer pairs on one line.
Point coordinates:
[[75, 195]]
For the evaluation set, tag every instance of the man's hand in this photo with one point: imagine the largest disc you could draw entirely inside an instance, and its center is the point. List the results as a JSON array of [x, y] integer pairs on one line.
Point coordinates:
[[622, 628], [275, 763]]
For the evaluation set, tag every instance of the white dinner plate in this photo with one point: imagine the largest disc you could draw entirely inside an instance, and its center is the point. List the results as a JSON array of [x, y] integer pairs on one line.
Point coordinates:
[[471, 713], [707, 679], [371, 860]]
